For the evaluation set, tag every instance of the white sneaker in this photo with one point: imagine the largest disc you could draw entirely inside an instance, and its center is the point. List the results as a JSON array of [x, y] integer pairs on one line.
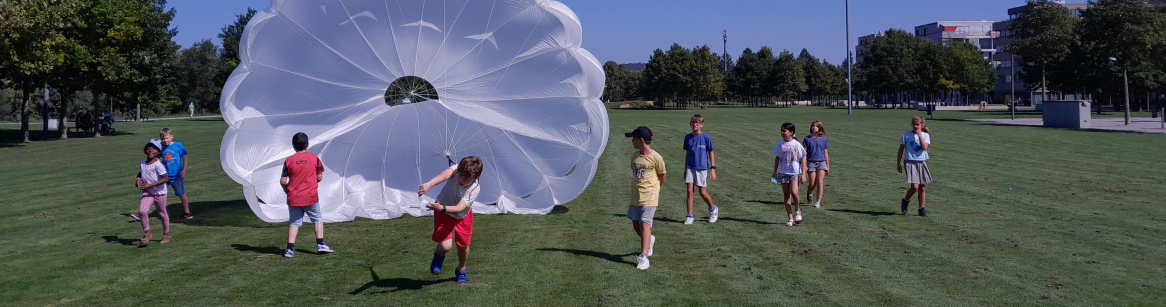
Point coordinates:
[[790, 223], [818, 205], [688, 220], [714, 214], [798, 218], [652, 246], [643, 262]]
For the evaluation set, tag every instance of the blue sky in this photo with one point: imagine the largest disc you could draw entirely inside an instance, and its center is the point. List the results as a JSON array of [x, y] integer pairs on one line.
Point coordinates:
[[627, 31]]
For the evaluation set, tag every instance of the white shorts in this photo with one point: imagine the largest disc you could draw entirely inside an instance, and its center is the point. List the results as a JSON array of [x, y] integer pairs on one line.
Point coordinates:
[[697, 177]]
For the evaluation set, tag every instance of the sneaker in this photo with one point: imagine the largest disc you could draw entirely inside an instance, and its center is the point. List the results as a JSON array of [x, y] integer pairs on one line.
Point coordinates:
[[642, 262], [798, 218], [903, 206], [288, 253], [651, 245], [790, 223], [136, 216], [165, 238], [435, 266], [714, 214], [461, 277], [688, 220], [186, 216], [922, 212], [810, 198], [818, 205], [323, 249]]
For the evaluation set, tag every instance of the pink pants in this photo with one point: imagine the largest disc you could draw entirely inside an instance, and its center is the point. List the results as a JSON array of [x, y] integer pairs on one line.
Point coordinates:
[[144, 209]]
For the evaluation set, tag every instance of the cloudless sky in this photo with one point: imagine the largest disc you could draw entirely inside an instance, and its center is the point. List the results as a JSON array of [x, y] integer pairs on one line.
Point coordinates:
[[627, 31]]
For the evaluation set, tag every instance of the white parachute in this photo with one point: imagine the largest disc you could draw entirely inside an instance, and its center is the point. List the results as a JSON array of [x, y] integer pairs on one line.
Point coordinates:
[[390, 92]]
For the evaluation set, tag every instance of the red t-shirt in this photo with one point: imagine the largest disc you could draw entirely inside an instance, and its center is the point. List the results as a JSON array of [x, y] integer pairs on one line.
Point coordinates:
[[301, 170]]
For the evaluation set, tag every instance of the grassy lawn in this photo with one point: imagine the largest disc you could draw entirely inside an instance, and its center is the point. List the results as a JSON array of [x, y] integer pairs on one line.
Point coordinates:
[[1019, 216]]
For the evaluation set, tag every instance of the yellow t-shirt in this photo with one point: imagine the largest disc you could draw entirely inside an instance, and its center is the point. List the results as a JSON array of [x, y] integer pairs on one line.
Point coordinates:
[[646, 184]]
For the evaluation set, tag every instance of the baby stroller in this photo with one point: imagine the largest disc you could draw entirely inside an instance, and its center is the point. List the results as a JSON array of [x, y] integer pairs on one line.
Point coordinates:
[[107, 124]]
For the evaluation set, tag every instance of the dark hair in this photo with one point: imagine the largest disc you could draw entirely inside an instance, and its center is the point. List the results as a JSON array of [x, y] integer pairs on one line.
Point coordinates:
[[300, 141], [788, 126], [698, 118], [470, 167], [151, 145]]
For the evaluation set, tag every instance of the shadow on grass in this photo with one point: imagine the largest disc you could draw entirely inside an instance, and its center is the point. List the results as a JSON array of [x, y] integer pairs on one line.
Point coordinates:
[[274, 250], [13, 138], [747, 221], [600, 255], [871, 213], [560, 209], [397, 284], [222, 213], [126, 242], [658, 218], [766, 202]]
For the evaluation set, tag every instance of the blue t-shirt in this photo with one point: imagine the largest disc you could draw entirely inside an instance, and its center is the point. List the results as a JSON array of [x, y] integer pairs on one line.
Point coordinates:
[[816, 148], [698, 148], [914, 151], [172, 158]]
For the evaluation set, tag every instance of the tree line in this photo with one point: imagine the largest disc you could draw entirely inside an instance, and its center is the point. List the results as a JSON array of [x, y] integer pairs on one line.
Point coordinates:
[[100, 56]]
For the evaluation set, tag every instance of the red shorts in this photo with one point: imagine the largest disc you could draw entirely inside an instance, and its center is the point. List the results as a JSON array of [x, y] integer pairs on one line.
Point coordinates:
[[444, 226]]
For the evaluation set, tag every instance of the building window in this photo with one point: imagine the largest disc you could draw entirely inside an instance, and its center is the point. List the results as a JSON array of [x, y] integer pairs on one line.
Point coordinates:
[[1008, 79]]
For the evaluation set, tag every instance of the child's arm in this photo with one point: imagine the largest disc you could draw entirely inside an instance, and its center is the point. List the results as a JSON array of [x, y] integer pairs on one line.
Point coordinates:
[[138, 182], [776, 163], [712, 163], [182, 174], [284, 180], [436, 179], [827, 153], [661, 177], [899, 161], [805, 169], [922, 144], [686, 155], [161, 179], [455, 209]]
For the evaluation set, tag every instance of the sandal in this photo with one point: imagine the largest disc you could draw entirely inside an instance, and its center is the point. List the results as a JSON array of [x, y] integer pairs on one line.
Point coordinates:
[[146, 239], [165, 238]]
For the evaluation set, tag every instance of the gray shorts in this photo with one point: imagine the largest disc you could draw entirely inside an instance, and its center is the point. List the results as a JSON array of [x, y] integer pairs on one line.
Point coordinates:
[[295, 215], [917, 172], [787, 178], [817, 166], [642, 214]]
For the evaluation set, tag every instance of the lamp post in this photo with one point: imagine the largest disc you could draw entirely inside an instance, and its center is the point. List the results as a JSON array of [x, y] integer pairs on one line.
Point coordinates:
[[849, 63], [1126, 82]]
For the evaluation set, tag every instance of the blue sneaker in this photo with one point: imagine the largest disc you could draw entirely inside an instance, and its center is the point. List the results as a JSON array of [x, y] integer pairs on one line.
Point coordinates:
[[461, 277], [288, 253], [324, 249], [435, 266]]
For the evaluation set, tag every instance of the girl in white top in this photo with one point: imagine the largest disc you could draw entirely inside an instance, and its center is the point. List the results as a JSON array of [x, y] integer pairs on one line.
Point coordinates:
[[789, 163], [152, 181]]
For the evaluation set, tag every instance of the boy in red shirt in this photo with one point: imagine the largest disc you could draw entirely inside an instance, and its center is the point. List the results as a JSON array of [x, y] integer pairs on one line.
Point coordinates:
[[302, 173]]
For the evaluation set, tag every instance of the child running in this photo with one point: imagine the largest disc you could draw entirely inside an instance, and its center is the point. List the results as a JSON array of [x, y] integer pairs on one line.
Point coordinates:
[[699, 164], [302, 173], [818, 157], [452, 213], [174, 157], [790, 162], [152, 181], [915, 144], [648, 173]]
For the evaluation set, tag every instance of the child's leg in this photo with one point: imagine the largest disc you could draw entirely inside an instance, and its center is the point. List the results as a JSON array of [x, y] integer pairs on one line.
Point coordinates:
[[292, 231], [704, 193], [638, 226], [143, 209], [813, 182], [688, 200], [788, 208], [444, 247], [160, 202], [911, 191], [645, 238], [319, 230], [185, 203], [820, 184], [463, 254], [922, 195], [797, 200]]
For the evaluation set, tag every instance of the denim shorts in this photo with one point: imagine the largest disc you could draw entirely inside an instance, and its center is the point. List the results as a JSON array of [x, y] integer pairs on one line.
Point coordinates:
[[179, 185], [295, 215]]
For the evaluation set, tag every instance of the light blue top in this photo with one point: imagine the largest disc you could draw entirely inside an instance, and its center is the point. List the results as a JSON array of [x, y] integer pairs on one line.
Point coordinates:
[[914, 150]]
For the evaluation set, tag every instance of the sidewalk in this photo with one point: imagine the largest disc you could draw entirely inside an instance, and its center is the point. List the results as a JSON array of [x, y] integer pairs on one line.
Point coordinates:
[[1137, 124]]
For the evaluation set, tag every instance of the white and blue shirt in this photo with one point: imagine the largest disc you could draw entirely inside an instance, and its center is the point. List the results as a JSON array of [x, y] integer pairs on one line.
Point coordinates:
[[913, 149]]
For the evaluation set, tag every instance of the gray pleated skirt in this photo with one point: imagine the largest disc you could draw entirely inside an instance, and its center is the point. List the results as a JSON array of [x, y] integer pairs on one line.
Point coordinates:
[[917, 172]]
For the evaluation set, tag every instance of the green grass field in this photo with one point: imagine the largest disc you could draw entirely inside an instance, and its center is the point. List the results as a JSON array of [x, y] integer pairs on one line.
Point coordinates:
[[1083, 224]]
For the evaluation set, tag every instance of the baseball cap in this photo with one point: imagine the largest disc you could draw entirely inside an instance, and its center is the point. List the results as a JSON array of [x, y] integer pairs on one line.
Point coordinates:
[[640, 132]]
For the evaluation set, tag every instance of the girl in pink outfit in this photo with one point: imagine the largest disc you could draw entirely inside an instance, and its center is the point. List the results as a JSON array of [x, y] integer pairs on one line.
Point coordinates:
[[152, 180]]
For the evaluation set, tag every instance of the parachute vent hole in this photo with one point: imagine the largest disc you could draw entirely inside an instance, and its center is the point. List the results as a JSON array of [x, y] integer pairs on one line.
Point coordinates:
[[409, 89]]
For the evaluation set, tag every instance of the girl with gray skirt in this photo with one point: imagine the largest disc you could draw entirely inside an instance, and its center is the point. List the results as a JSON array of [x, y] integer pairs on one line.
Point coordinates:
[[915, 144]]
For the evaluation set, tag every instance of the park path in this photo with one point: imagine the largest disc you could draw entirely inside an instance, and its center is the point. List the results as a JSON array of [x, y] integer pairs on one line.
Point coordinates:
[[1137, 124]]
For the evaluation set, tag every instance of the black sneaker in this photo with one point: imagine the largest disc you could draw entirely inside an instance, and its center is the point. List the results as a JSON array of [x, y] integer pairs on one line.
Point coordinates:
[[922, 212], [903, 206]]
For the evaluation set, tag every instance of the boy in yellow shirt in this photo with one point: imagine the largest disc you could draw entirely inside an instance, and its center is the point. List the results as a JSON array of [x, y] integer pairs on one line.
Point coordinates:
[[648, 174]]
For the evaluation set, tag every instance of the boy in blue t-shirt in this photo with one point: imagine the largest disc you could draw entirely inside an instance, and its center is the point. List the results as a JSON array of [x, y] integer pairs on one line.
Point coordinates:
[[174, 158], [699, 164]]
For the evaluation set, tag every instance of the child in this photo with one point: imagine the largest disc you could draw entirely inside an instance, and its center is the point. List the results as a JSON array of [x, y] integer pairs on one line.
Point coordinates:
[[302, 173], [698, 157], [452, 213], [788, 163], [817, 151], [174, 157], [152, 181], [915, 143], [648, 174]]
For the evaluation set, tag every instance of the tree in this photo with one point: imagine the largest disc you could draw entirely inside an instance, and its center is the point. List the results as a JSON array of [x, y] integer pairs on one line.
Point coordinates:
[[198, 70], [751, 73], [230, 36], [971, 72], [1130, 32], [622, 83], [787, 80], [135, 59], [31, 45], [889, 64], [1042, 34], [814, 73], [707, 82]]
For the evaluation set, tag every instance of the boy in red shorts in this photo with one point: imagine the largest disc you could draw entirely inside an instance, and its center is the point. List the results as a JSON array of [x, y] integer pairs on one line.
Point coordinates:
[[452, 214]]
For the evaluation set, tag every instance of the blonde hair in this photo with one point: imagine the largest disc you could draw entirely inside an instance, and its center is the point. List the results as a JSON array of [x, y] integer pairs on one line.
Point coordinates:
[[920, 120], [821, 129], [166, 131]]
